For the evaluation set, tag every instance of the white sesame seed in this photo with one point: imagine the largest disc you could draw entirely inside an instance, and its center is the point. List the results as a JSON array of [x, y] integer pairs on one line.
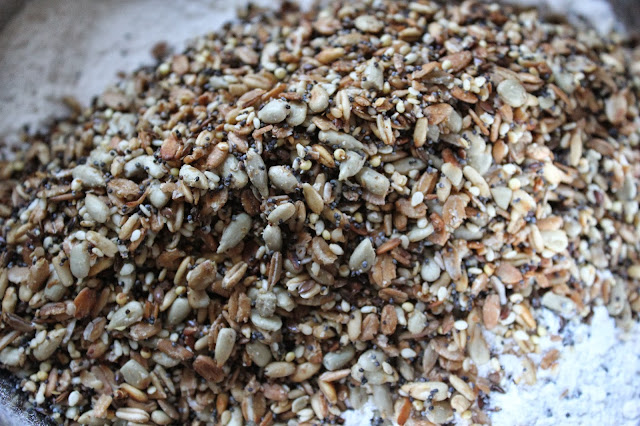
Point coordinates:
[[336, 249], [417, 198], [460, 325], [135, 235], [408, 353]]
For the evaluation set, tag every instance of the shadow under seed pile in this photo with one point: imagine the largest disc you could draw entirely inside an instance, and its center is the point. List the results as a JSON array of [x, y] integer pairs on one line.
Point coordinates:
[[309, 209]]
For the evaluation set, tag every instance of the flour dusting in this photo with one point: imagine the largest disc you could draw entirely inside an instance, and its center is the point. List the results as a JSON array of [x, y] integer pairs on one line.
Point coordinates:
[[596, 382]]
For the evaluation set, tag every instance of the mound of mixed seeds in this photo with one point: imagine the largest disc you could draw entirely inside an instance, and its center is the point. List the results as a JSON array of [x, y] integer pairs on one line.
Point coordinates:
[[307, 209]]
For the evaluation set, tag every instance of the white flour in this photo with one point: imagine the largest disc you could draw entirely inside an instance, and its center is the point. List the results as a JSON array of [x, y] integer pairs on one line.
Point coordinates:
[[56, 48], [597, 382]]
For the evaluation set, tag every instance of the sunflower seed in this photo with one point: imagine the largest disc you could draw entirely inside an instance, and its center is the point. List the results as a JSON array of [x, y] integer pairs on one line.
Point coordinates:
[[272, 236], [282, 178], [127, 315], [135, 374], [257, 172], [363, 256], [272, 323], [274, 112], [351, 165], [193, 177], [79, 261], [235, 232], [368, 24], [438, 391], [341, 140], [297, 114], [319, 99], [279, 369], [373, 181], [336, 360], [179, 310], [512, 93], [259, 353], [49, 345], [313, 198], [224, 345], [372, 78], [282, 213], [88, 176], [135, 415], [97, 208]]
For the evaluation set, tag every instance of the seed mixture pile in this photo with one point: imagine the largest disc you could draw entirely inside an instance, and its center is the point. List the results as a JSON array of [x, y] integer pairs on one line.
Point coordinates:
[[310, 209]]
